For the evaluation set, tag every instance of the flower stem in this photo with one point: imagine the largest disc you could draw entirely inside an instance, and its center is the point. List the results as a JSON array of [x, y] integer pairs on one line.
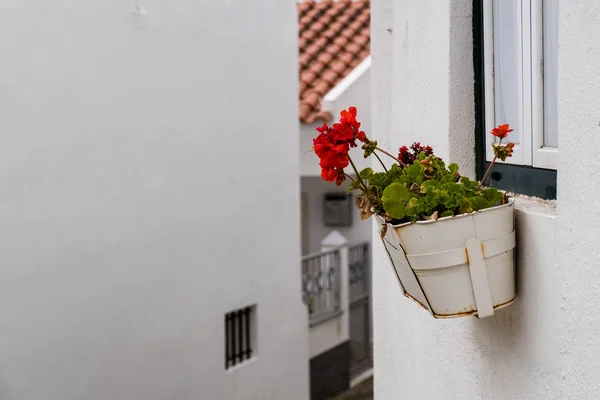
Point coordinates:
[[381, 162], [357, 174], [486, 173], [348, 176], [488, 170], [443, 178], [389, 155]]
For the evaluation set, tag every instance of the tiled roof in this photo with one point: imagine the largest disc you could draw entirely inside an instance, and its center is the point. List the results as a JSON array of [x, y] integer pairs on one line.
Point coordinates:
[[334, 39]]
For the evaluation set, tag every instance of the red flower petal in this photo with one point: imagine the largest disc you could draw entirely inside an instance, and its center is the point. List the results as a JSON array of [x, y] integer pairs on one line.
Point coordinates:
[[501, 131], [329, 174]]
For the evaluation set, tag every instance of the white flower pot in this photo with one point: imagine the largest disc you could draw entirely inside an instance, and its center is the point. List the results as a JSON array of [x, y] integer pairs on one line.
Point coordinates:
[[457, 266]]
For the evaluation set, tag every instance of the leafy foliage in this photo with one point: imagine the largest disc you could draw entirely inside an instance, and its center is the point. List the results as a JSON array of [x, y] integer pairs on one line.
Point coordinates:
[[419, 187], [424, 189]]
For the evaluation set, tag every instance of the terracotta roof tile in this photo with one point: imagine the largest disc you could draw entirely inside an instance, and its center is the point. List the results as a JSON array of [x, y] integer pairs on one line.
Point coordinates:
[[311, 99], [325, 58], [320, 41], [353, 48], [364, 18], [330, 77], [347, 57], [333, 48], [302, 42], [361, 40], [341, 41], [364, 54], [348, 33], [334, 37], [354, 63], [321, 88], [304, 59], [317, 67], [307, 77], [339, 67], [355, 26]]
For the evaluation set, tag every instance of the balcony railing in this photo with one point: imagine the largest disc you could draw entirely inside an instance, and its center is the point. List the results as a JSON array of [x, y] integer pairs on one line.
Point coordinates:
[[358, 266], [321, 284]]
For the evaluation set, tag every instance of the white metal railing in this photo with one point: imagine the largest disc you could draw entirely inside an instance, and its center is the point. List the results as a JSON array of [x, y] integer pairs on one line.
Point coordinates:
[[321, 285]]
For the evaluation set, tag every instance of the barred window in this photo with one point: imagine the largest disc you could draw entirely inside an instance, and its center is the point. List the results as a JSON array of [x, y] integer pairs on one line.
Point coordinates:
[[239, 336]]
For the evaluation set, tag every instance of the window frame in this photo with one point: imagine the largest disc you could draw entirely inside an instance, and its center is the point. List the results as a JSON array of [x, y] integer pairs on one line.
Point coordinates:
[[543, 156], [539, 181], [531, 150]]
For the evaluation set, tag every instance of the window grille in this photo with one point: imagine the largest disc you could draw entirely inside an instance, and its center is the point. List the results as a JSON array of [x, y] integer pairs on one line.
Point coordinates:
[[238, 336]]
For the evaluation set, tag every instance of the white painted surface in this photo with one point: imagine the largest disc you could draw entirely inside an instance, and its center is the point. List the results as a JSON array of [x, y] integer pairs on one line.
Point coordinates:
[[416, 96], [315, 189], [326, 335], [544, 346], [131, 203], [577, 274], [357, 94]]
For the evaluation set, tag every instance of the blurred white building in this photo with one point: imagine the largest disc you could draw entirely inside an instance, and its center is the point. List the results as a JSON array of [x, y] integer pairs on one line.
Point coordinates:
[[149, 232]]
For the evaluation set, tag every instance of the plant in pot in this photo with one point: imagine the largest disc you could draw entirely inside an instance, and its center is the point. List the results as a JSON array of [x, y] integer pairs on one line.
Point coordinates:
[[450, 240]]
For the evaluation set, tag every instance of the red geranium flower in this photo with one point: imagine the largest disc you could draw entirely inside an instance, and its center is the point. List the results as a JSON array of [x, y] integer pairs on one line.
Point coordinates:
[[348, 115], [329, 174], [343, 133], [501, 131], [333, 144], [409, 156]]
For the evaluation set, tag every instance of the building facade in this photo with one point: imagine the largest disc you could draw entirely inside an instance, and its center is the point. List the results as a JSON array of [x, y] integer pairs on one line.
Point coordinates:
[[147, 193], [426, 81]]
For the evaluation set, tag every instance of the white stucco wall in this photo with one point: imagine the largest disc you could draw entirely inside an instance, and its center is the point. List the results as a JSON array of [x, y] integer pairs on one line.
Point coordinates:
[[544, 346], [357, 93], [326, 335], [138, 160], [577, 273], [315, 189]]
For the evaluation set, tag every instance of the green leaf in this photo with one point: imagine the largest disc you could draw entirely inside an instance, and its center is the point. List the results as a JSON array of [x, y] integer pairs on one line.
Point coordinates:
[[431, 196], [453, 187], [492, 195], [451, 203], [377, 179], [443, 196], [453, 168], [464, 206], [384, 179], [353, 186], [447, 213], [405, 180], [394, 200], [366, 173], [479, 203], [441, 164], [411, 208], [431, 183], [414, 171], [469, 184]]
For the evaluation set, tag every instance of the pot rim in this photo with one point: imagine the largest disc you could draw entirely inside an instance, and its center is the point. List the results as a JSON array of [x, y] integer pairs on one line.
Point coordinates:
[[509, 203]]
